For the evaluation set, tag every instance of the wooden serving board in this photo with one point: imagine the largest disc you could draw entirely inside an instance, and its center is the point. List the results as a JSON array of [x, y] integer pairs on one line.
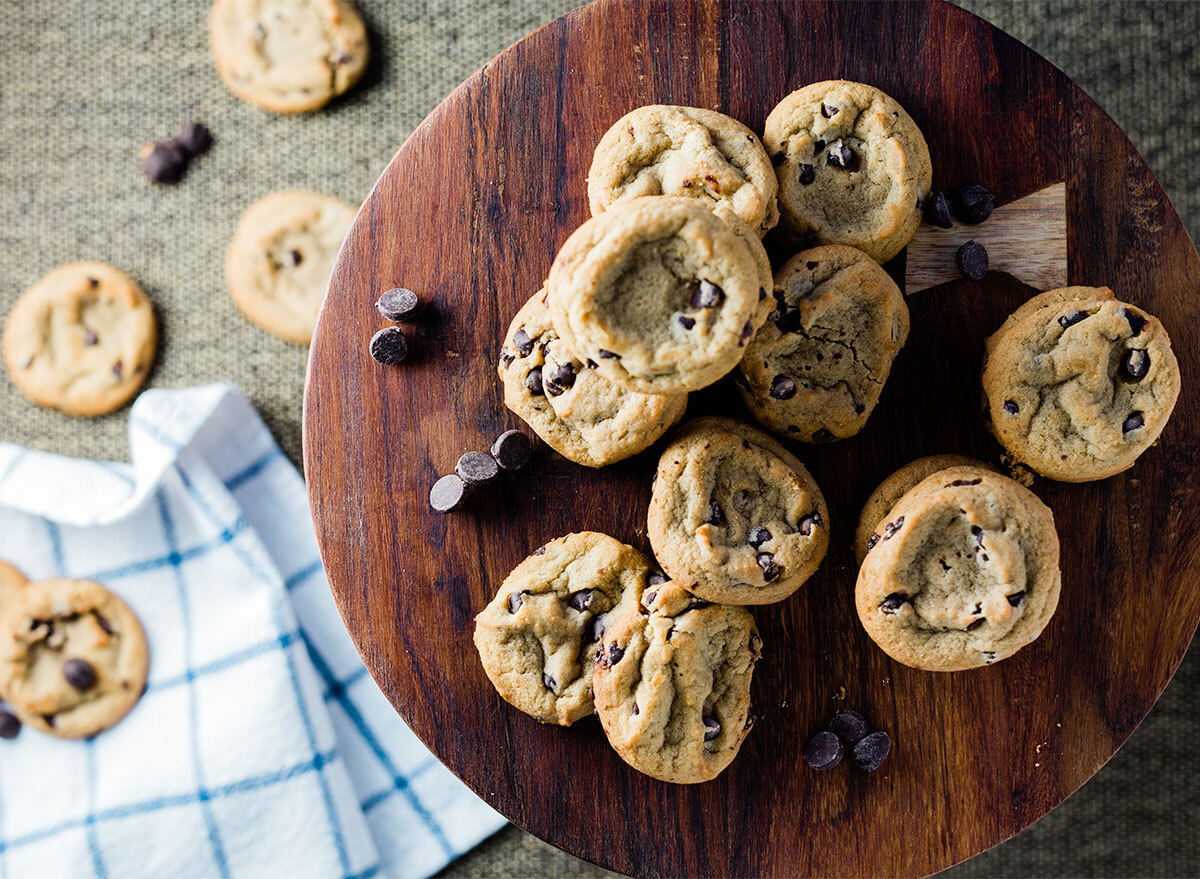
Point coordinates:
[[470, 213]]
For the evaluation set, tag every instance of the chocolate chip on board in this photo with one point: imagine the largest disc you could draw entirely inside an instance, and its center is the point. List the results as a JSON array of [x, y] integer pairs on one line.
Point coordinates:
[[512, 450], [972, 260], [477, 468], [937, 210], [973, 203], [823, 751], [389, 347], [79, 673], [10, 727], [848, 725], [448, 493], [399, 304], [195, 138], [870, 752]]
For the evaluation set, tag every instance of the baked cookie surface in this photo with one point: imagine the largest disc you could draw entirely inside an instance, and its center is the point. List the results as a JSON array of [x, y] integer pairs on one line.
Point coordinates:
[[74, 658], [687, 151], [735, 517], [81, 340], [965, 572], [672, 684], [280, 258], [660, 292], [537, 636], [815, 370], [1078, 390], [853, 167], [288, 56], [574, 409]]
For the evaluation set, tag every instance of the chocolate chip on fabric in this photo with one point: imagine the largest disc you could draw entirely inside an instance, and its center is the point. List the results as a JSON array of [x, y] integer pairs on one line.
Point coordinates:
[[937, 210], [79, 673], [165, 163], [1133, 422], [195, 138], [716, 516], [1069, 320], [972, 259], [872, 750], [10, 726], [823, 435], [712, 728], [581, 600], [758, 537], [1136, 322], [770, 570], [515, 600], [533, 381], [448, 493], [389, 347], [807, 174], [707, 295], [1135, 364], [848, 725], [400, 304], [973, 203], [523, 342], [1011, 407], [823, 751], [893, 603], [477, 468], [782, 387], [512, 450]]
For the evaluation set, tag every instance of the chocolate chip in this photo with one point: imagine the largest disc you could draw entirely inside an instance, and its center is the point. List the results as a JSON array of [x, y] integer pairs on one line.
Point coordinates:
[[873, 542], [523, 342], [893, 603], [1011, 407], [165, 164], [340, 57], [656, 579], [712, 728], [823, 751], [843, 158], [1136, 322], [636, 710], [716, 516], [512, 450], [90, 338], [648, 598], [103, 623], [1069, 320], [541, 550], [848, 725], [614, 653], [872, 750], [782, 387], [698, 604], [747, 333], [448, 493], [594, 630], [788, 319], [749, 721], [507, 356], [533, 381], [707, 295], [561, 378], [1135, 364], [686, 322], [1016, 598], [118, 368], [79, 673], [49, 718], [591, 364], [778, 159], [582, 599], [608, 355], [93, 282], [770, 570], [477, 468], [973, 203], [890, 529], [937, 210], [762, 293], [548, 682], [972, 260], [515, 600], [195, 138], [1133, 422], [806, 525], [963, 482], [977, 532], [400, 304], [828, 112], [976, 624], [295, 257], [758, 537], [389, 347], [817, 147], [807, 174], [823, 435], [10, 727]]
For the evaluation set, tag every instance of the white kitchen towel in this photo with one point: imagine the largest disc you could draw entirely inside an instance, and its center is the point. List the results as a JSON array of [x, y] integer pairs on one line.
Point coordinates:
[[262, 747]]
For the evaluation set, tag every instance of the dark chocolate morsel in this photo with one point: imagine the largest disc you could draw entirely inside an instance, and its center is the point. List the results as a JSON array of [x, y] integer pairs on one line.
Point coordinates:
[[716, 516], [973, 203], [79, 673], [823, 435], [581, 600], [975, 625], [872, 750], [770, 570], [686, 322], [778, 159], [523, 342], [758, 537], [807, 174], [806, 525], [873, 542], [615, 653], [515, 600], [1011, 407], [512, 450], [389, 347], [840, 156], [849, 726], [594, 630], [712, 728], [1133, 422], [707, 295], [747, 333], [507, 356], [1136, 322], [533, 381], [549, 682], [972, 260], [448, 493], [782, 387], [828, 112], [890, 529], [90, 338], [656, 579], [10, 726], [400, 304], [477, 468], [1135, 364], [103, 623], [194, 138], [893, 603], [1069, 320], [165, 164], [937, 210], [608, 355], [788, 319], [817, 147], [963, 482], [823, 751], [1016, 598]]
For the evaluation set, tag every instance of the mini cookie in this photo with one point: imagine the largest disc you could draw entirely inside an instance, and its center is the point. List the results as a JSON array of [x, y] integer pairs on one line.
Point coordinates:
[[734, 516], [74, 659], [660, 292], [965, 572], [673, 685], [280, 258], [81, 339], [578, 412], [816, 369], [1048, 298], [537, 637], [288, 56], [1078, 390], [702, 154], [884, 497], [853, 167]]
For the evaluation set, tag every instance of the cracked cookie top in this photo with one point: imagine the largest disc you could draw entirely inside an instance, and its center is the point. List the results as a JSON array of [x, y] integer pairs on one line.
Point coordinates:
[[853, 167], [701, 154], [579, 413], [81, 340], [672, 684], [288, 56], [661, 293], [965, 572], [1078, 389], [815, 370], [735, 517], [537, 636]]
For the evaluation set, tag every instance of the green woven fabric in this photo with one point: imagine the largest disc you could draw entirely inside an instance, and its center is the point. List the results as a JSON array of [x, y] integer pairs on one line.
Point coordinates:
[[89, 82]]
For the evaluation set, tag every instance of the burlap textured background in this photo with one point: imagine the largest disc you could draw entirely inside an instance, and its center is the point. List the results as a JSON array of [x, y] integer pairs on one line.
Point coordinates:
[[87, 83]]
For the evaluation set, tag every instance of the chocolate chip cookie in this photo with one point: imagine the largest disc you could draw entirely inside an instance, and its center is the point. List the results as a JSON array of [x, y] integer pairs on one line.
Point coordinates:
[[965, 572], [734, 516], [815, 370], [661, 293], [702, 154], [884, 497], [74, 658], [537, 637], [81, 340], [11, 582], [1077, 390], [672, 684], [579, 413], [280, 258], [288, 56], [853, 167], [1046, 299]]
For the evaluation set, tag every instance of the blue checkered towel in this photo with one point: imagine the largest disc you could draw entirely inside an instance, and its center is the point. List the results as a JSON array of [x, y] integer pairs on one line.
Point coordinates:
[[262, 748]]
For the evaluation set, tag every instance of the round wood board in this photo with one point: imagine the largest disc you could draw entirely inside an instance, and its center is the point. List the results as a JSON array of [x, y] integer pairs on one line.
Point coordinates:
[[471, 211]]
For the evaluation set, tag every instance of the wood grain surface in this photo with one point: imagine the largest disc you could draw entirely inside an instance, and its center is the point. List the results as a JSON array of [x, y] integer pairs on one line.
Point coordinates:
[[470, 213]]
